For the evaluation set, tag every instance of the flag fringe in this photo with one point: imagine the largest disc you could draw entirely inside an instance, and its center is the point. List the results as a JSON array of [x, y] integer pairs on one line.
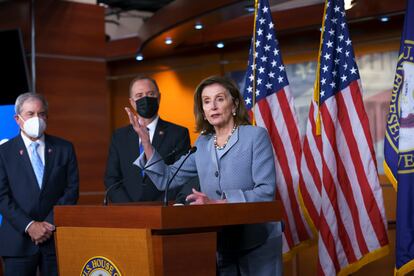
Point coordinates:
[[295, 250], [370, 257], [406, 268], [390, 175]]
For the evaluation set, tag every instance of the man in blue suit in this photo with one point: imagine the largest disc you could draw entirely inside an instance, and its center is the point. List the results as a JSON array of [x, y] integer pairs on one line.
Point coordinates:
[[37, 172]]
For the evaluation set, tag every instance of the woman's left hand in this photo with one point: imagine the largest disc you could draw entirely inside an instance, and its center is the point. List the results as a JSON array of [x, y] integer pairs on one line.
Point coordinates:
[[199, 198]]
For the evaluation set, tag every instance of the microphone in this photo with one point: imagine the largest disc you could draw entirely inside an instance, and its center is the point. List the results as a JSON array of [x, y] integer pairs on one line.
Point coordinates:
[[191, 151], [110, 188], [174, 151]]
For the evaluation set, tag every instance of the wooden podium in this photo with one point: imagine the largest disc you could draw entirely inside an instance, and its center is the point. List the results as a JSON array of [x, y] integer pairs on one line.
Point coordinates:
[[149, 239]]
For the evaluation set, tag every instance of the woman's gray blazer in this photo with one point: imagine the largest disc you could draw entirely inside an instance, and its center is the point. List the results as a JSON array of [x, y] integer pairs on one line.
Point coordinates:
[[245, 172]]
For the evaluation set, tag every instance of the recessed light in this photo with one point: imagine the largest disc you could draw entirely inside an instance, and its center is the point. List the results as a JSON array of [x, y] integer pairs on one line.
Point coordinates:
[[168, 41], [220, 45], [384, 19], [249, 9], [198, 26], [139, 57]]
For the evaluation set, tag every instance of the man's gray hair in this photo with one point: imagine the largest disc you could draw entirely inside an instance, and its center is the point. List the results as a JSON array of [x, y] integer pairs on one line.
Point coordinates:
[[138, 78], [27, 97]]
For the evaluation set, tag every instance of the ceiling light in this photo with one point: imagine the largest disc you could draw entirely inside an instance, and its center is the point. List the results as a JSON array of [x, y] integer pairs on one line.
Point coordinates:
[[384, 19], [139, 57], [348, 4], [249, 9], [168, 41], [198, 26], [220, 45]]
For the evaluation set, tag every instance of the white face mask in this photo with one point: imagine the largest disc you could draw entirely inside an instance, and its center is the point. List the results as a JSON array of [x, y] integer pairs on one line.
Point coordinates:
[[34, 127]]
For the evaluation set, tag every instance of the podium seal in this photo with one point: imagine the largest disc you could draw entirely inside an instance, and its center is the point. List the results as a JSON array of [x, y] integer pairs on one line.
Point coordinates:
[[101, 266]]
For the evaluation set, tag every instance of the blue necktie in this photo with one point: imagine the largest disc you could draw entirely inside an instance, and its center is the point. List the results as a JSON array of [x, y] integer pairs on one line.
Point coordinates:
[[37, 163], [141, 150]]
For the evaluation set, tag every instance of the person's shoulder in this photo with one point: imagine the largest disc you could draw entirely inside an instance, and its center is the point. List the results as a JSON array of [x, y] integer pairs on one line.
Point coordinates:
[[252, 129], [7, 144], [253, 132], [123, 130], [171, 125], [57, 140]]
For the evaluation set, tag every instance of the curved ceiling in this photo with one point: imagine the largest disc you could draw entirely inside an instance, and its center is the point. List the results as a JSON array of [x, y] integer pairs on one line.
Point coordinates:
[[231, 22]]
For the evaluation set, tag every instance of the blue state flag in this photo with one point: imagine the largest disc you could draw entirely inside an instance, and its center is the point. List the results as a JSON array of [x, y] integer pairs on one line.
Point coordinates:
[[399, 146]]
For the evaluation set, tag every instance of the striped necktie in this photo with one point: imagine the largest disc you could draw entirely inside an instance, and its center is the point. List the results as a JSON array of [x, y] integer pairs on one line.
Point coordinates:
[[37, 163]]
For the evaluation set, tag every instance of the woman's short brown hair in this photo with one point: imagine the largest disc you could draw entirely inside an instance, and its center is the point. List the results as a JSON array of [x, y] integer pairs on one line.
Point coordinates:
[[241, 117]]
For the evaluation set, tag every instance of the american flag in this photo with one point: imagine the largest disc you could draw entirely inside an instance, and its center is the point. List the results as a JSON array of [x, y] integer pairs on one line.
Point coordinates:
[[341, 190], [268, 97]]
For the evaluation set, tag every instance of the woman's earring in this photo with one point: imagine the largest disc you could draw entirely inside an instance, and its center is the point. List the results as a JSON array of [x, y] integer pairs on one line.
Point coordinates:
[[234, 113]]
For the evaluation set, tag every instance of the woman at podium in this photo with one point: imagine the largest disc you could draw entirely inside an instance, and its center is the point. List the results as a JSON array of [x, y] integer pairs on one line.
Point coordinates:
[[235, 163]]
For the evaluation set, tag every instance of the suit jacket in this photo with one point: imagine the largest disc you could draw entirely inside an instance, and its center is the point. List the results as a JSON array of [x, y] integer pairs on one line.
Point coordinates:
[[244, 171], [21, 199], [170, 140]]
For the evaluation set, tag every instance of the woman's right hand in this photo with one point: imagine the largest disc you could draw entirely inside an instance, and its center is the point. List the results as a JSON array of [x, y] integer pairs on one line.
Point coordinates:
[[142, 132]]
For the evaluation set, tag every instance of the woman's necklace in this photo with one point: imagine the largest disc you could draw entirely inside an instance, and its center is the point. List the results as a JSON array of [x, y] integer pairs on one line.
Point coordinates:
[[225, 143]]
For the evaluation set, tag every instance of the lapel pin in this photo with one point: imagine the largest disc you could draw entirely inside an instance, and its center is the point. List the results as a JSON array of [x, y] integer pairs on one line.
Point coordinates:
[[49, 150], [21, 152], [161, 132]]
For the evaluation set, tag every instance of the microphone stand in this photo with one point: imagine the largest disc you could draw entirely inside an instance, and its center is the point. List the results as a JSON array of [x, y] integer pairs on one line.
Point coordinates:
[[191, 151]]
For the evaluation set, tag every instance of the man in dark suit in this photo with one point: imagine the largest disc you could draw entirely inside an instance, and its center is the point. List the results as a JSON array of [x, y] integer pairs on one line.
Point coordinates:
[[37, 172], [127, 182]]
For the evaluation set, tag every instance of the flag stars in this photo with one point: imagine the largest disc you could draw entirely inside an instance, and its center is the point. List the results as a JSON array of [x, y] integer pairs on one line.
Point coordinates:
[[323, 81], [345, 66], [248, 101], [343, 78], [334, 73], [265, 9], [276, 52], [251, 77], [347, 53], [339, 49], [281, 68], [329, 44], [336, 8], [257, 92], [269, 36], [259, 32], [331, 32], [280, 79], [325, 68], [332, 84], [271, 25], [257, 43], [261, 70], [259, 81], [268, 85], [322, 93], [274, 63], [353, 70], [250, 89], [336, 61], [263, 58], [271, 75], [334, 20], [343, 25], [341, 37], [253, 66], [327, 56], [348, 42], [267, 48], [262, 21]]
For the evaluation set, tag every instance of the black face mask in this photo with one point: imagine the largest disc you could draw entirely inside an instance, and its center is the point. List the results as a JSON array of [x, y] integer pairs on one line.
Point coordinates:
[[147, 107]]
